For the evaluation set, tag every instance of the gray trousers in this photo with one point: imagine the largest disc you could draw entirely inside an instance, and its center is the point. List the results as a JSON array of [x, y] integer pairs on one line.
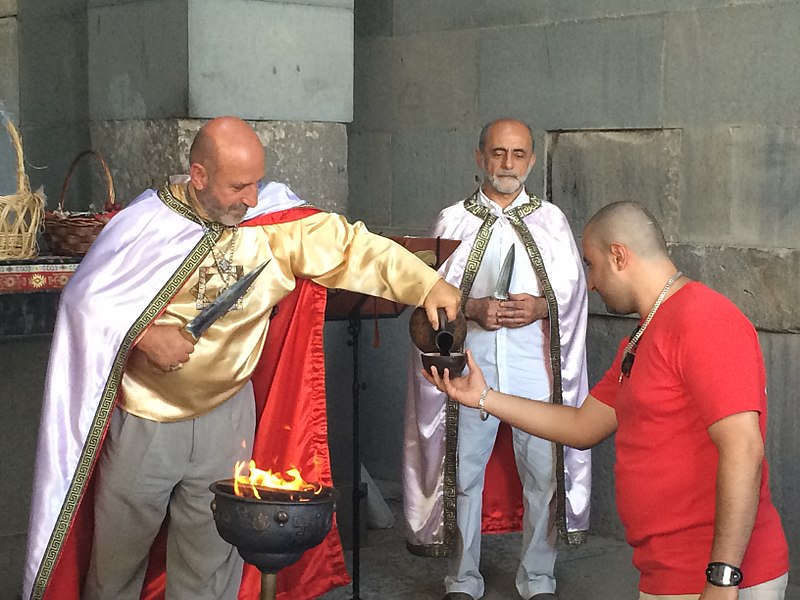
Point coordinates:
[[149, 469], [534, 458], [774, 589]]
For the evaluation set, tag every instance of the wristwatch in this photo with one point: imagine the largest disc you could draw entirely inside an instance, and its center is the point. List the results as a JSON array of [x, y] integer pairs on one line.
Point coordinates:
[[723, 575]]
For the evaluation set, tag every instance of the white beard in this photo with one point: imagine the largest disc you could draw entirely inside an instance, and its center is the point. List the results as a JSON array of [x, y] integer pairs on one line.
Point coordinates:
[[506, 184]]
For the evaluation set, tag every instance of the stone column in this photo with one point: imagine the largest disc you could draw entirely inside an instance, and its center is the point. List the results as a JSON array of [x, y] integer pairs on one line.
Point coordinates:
[[9, 87], [53, 107], [159, 68]]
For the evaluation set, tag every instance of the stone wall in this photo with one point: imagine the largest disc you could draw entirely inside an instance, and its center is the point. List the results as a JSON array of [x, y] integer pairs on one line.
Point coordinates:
[[24, 360], [689, 107], [135, 79], [309, 156], [9, 90], [53, 94]]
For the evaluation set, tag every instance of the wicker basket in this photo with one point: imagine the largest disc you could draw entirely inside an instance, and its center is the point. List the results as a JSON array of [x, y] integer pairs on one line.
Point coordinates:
[[71, 234], [20, 213]]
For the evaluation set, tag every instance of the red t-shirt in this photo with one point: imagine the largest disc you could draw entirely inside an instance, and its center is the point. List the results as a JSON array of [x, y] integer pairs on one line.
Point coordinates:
[[698, 361]]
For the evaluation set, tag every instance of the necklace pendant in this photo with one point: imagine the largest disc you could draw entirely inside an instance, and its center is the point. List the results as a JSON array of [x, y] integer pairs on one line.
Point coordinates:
[[224, 266]]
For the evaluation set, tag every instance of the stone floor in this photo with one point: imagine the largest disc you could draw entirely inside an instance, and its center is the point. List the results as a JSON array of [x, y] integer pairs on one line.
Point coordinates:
[[598, 570]]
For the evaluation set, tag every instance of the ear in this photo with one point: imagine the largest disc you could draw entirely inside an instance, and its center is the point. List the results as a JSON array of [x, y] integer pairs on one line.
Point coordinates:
[[619, 256], [199, 176], [533, 161]]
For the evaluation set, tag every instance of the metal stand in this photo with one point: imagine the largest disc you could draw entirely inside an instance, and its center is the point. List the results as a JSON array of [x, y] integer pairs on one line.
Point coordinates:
[[269, 586], [354, 330], [353, 307]]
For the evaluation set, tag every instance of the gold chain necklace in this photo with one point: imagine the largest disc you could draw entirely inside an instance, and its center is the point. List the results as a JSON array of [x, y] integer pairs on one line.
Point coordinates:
[[628, 351]]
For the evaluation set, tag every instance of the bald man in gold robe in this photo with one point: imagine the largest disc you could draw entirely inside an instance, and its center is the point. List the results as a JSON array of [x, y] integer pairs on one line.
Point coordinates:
[[157, 417]]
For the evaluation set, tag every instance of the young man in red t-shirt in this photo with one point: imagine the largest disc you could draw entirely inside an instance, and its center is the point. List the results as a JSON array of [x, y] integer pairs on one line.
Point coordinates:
[[686, 396]]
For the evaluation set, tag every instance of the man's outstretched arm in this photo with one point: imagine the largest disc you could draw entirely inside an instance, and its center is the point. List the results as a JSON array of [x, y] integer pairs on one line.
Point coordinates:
[[577, 427]]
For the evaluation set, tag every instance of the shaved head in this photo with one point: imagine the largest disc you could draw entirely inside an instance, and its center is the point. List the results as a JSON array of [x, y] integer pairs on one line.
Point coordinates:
[[216, 138], [630, 224], [226, 162]]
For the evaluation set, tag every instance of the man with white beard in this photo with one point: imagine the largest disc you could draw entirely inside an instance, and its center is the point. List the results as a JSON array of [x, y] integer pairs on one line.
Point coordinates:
[[532, 342]]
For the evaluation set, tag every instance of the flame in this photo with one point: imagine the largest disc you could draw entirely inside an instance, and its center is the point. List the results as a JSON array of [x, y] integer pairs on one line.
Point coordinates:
[[288, 480]]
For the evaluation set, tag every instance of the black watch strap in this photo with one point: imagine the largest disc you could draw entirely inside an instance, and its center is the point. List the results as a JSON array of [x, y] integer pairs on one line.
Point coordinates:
[[723, 575]]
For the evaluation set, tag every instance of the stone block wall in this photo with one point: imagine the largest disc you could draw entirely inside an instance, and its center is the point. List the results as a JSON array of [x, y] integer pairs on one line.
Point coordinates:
[[135, 79], [24, 362], [689, 107], [311, 157], [9, 90], [53, 94]]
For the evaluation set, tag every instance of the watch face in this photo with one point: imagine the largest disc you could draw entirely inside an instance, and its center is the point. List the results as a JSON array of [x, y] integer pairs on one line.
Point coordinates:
[[723, 575]]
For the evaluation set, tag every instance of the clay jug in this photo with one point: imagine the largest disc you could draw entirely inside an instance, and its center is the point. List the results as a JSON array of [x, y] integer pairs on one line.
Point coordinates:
[[441, 347]]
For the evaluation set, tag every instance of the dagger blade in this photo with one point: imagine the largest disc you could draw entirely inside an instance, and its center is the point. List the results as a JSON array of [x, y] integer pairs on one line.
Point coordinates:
[[222, 303], [504, 279]]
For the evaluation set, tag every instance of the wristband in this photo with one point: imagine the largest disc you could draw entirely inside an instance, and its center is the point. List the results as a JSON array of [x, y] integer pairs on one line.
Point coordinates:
[[723, 575], [481, 401]]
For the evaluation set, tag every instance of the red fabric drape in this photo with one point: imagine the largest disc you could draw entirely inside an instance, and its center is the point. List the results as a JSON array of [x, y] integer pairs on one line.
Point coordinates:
[[73, 562], [502, 500], [292, 431], [292, 425], [289, 383]]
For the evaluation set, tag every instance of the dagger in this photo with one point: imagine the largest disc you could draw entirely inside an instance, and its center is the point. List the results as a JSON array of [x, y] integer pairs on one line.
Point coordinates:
[[504, 279], [221, 304]]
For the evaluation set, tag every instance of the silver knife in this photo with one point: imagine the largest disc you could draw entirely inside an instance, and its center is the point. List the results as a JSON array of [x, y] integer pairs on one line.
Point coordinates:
[[504, 279], [221, 304]]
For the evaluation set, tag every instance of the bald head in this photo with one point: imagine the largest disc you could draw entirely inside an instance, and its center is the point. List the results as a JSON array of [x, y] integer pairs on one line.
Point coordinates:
[[501, 123], [226, 163], [630, 224], [215, 140]]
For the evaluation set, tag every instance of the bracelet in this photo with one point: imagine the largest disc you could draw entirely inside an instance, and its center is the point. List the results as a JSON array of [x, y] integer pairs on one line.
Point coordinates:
[[481, 401], [723, 575]]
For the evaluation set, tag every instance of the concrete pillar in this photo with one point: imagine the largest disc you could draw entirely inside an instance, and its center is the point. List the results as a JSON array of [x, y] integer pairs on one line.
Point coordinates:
[[52, 84], [159, 68], [9, 87], [135, 79]]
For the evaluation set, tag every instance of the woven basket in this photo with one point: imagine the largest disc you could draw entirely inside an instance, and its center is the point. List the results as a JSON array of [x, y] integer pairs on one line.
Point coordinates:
[[71, 234], [20, 213]]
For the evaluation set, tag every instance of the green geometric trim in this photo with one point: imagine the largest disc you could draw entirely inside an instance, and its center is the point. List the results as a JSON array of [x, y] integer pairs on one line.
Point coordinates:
[[185, 210], [576, 538], [450, 477], [515, 216], [450, 466], [478, 249], [99, 423]]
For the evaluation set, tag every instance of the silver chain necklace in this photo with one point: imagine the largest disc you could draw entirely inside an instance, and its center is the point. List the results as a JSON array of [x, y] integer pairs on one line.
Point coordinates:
[[225, 263], [628, 351]]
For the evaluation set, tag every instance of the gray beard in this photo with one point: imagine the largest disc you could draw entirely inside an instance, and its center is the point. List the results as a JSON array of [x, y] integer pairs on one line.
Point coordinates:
[[506, 184]]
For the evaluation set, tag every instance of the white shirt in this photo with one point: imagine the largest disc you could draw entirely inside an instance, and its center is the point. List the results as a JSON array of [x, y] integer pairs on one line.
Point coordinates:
[[513, 359]]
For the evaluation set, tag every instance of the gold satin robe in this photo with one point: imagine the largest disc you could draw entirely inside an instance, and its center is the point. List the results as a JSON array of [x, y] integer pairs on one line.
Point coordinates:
[[323, 247]]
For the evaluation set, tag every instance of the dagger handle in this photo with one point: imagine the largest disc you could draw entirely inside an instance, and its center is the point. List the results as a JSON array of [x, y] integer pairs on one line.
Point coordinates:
[[188, 335]]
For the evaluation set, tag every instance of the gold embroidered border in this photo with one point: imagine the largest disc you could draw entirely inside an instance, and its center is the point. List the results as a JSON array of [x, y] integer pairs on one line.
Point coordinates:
[[92, 445], [576, 538], [449, 491], [515, 216], [185, 210], [475, 257], [450, 474]]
